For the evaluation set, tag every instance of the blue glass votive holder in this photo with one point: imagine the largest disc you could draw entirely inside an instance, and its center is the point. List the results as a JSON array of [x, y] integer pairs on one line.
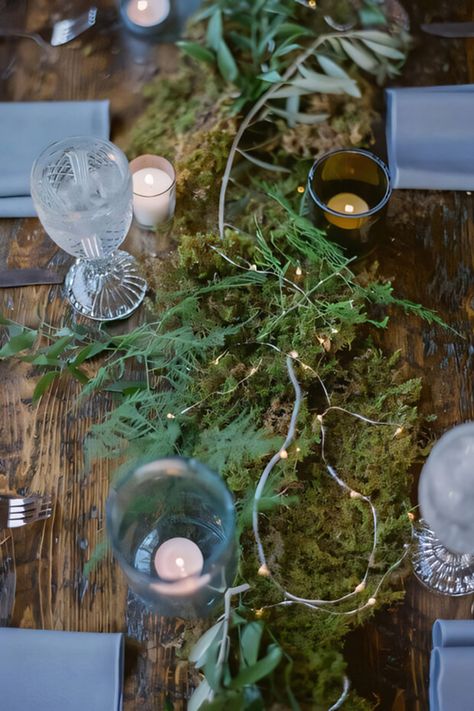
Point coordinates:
[[171, 523]]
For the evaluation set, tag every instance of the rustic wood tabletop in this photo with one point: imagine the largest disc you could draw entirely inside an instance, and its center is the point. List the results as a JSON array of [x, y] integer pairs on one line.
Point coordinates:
[[429, 255]]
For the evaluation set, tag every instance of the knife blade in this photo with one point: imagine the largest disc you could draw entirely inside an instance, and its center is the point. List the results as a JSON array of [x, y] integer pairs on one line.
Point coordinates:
[[449, 29], [28, 277]]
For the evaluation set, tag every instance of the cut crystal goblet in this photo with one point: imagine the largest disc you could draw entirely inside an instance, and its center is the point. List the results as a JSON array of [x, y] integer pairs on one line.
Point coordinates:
[[82, 190]]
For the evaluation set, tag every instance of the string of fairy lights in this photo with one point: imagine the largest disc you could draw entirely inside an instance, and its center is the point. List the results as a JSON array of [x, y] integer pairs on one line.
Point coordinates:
[[289, 598]]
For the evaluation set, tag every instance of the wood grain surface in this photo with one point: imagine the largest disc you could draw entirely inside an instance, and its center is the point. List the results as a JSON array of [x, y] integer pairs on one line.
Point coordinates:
[[429, 254]]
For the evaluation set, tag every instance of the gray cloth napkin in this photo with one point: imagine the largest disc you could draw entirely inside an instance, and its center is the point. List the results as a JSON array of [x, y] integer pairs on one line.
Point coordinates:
[[430, 137], [60, 671], [28, 127]]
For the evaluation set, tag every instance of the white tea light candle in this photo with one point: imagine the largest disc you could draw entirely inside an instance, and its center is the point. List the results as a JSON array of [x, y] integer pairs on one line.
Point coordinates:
[[147, 13], [154, 190], [348, 204], [178, 558]]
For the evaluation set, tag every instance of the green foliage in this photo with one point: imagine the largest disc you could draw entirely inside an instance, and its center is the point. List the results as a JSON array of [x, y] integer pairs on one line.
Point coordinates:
[[254, 43], [205, 376]]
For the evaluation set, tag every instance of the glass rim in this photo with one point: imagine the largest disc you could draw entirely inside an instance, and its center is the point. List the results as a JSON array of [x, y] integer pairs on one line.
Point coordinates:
[[163, 192], [55, 145], [189, 464], [359, 151]]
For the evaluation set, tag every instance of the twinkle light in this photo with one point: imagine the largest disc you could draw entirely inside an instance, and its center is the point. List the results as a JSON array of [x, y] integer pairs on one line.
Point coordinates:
[[289, 598], [300, 189]]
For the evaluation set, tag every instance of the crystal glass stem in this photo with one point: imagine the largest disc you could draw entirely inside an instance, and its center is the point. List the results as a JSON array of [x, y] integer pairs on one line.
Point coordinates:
[[105, 289], [439, 568]]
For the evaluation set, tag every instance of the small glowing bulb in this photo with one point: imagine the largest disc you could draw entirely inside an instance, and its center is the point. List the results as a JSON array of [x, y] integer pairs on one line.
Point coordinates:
[[149, 180], [253, 267], [263, 570], [411, 516], [348, 208], [355, 495], [299, 271], [371, 601], [293, 354], [298, 449], [360, 588], [283, 454], [312, 4], [259, 613], [319, 418], [300, 189], [170, 416]]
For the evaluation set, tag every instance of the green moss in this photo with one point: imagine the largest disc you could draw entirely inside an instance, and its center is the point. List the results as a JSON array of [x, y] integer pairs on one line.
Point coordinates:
[[318, 542]]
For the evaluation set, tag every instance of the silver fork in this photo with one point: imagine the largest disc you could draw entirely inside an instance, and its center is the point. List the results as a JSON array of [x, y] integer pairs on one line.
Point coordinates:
[[16, 511], [62, 32]]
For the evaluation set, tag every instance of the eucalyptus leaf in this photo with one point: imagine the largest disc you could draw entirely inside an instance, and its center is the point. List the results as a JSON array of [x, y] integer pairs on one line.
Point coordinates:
[[286, 49], [377, 36], [261, 669], [359, 55], [226, 62], [44, 382], [299, 117], [272, 77], [384, 50], [292, 107], [293, 30], [196, 51], [331, 68], [250, 639], [199, 651], [214, 31], [18, 343], [201, 694]]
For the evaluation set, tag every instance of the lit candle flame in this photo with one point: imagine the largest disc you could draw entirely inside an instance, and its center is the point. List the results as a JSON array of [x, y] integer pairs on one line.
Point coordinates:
[[349, 208], [142, 4], [149, 180]]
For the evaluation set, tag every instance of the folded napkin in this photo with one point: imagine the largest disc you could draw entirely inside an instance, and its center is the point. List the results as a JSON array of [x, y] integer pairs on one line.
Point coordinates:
[[430, 137], [452, 666], [452, 679], [60, 671], [453, 633], [28, 127]]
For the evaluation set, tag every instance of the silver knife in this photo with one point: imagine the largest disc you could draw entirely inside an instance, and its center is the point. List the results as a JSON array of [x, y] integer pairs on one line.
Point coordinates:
[[27, 277], [449, 29]]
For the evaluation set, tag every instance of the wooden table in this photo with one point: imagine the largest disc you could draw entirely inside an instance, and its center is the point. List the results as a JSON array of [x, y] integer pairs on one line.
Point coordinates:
[[430, 257]]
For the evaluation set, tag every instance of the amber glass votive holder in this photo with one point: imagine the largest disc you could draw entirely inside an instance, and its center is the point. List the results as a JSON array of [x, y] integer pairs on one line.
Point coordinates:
[[349, 190]]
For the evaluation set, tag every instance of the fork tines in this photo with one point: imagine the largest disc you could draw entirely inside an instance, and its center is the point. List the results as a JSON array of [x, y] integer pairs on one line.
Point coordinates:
[[24, 510]]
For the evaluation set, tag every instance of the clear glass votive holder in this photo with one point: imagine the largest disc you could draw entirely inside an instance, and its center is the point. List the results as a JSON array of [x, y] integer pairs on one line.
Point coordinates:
[[171, 523], [154, 191], [146, 18], [349, 191]]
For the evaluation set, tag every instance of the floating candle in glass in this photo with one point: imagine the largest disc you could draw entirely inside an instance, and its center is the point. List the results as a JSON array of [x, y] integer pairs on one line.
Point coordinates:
[[172, 527], [349, 190], [154, 191]]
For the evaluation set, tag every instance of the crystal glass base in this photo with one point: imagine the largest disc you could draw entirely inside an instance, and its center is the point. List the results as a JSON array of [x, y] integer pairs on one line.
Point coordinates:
[[105, 289], [440, 569]]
